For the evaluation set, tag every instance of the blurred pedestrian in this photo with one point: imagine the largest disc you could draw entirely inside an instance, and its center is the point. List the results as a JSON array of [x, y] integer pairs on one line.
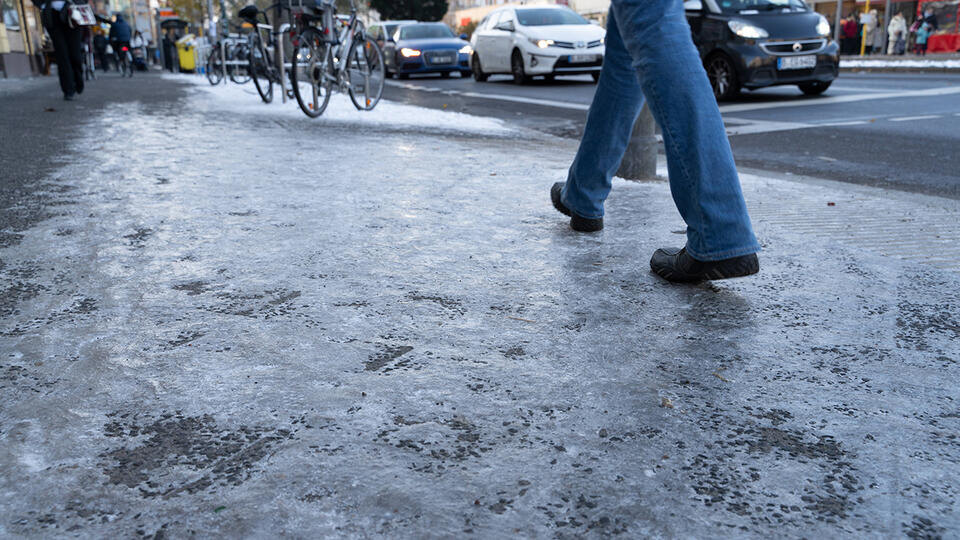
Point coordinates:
[[100, 49], [650, 57], [923, 34], [66, 45], [869, 22], [930, 18], [850, 33], [896, 32], [120, 34], [878, 44]]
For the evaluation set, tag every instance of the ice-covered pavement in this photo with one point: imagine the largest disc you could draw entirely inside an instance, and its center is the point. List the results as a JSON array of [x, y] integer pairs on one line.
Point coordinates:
[[260, 325]]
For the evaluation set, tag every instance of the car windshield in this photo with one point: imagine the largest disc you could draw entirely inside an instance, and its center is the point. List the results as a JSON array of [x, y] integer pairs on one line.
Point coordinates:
[[548, 17], [739, 6], [425, 31]]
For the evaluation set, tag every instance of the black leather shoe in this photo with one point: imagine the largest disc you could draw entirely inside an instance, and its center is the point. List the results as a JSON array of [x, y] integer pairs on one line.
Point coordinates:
[[677, 265], [577, 223]]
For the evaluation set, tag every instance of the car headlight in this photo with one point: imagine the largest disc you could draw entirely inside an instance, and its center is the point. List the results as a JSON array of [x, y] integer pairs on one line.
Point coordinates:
[[823, 26], [409, 53], [542, 43], [747, 30], [466, 49]]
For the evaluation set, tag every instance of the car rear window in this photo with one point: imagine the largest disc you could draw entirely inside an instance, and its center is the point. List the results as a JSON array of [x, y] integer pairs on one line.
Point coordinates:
[[548, 17], [425, 31]]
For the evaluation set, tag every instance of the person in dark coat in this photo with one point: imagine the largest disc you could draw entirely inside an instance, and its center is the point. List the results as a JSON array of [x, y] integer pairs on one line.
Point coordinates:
[[100, 49], [120, 33], [66, 46]]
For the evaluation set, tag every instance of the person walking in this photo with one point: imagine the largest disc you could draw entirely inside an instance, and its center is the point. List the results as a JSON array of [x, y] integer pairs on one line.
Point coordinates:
[[650, 57], [66, 45], [896, 31]]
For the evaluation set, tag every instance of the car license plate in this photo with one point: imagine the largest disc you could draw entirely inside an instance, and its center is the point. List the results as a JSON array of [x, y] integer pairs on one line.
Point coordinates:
[[797, 62], [582, 58], [446, 59]]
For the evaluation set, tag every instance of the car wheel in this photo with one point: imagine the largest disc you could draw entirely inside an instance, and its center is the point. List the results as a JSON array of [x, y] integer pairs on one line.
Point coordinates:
[[723, 77], [403, 76], [445, 74], [478, 73], [550, 78], [464, 74], [814, 88], [516, 67]]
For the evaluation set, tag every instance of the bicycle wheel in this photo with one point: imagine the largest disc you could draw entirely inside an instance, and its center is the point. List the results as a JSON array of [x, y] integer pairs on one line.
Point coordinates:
[[214, 66], [310, 75], [260, 72], [239, 73], [129, 59], [366, 73]]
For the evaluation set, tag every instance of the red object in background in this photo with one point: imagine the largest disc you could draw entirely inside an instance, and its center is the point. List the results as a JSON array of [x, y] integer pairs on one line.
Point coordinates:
[[943, 43]]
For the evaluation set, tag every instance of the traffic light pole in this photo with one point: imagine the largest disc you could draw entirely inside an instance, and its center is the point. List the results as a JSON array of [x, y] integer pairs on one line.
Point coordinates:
[[640, 160]]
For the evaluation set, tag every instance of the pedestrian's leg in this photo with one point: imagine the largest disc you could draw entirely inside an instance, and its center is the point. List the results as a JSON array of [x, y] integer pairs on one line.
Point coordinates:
[[616, 105], [703, 176], [75, 51], [61, 54]]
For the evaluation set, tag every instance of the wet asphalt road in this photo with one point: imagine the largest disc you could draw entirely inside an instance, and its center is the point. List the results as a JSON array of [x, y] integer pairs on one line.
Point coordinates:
[[872, 145], [224, 321]]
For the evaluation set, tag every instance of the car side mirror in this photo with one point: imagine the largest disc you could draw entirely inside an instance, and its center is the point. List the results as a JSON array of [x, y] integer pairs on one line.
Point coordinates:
[[507, 26], [693, 5], [464, 37]]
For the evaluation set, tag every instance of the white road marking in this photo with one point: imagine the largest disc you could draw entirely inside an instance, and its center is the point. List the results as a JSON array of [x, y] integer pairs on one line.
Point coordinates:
[[531, 101], [909, 118], [848, 123], [930, 92]]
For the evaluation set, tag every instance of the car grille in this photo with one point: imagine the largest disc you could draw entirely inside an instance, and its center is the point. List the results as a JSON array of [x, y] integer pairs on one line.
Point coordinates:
[[786, 48], [441, 57], [572, 45]]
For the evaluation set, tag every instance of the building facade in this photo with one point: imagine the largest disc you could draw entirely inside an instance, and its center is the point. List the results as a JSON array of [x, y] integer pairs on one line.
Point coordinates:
[[21, 39]]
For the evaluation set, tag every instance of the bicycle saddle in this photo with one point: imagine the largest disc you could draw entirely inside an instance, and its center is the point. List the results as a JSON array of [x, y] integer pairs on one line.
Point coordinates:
[[249, 13]]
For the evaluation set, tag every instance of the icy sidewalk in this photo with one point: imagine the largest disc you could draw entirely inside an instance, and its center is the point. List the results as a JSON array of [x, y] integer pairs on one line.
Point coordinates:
[[262, 325]]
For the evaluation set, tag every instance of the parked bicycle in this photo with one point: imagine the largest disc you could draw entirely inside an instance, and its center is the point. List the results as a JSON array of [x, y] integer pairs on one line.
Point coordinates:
[[333, 53], [262, 67], [232, 61]]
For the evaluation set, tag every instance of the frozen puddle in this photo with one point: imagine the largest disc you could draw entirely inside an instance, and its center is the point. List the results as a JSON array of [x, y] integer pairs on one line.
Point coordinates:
[[244, 99]]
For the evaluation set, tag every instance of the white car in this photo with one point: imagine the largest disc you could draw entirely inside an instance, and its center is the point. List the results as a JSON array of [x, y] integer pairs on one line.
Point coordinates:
[[536, 41]]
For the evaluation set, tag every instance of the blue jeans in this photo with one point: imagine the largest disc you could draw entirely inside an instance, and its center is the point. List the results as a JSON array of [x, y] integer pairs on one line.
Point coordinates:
[[650, 57]]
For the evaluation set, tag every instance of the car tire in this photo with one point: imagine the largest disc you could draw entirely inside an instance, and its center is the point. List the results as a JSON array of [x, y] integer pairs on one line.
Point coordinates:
[[723, 77], [550, 78], [517, 68], [445, 74], [478, 74], [814, 88], [464, 74], [403, 76]]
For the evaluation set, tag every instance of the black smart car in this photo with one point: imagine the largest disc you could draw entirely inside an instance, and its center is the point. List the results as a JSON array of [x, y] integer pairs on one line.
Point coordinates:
[[758, 43]]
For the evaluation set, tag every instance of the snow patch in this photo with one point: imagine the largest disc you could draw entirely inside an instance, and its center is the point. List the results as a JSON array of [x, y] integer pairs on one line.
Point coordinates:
[[244, 99], [944, 64]]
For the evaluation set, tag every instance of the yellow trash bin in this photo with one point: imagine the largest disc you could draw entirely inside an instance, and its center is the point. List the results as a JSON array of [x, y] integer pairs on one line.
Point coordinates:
[[185, 46]]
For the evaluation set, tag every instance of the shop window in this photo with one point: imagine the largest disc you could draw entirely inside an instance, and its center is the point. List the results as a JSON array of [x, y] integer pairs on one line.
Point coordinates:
[[11, 17]]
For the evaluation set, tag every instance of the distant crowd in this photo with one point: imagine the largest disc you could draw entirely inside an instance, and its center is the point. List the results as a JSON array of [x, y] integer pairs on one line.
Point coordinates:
[[866, 30]]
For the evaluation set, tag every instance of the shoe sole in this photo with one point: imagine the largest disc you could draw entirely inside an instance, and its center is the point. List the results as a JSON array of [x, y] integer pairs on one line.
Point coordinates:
[[743, 268]]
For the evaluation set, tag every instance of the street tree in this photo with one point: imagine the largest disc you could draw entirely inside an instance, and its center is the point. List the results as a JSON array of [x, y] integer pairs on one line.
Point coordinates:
[[420, 10]]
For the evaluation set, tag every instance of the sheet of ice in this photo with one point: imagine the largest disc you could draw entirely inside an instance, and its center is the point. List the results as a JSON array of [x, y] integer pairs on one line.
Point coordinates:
[[244, 99], [947, 64]]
